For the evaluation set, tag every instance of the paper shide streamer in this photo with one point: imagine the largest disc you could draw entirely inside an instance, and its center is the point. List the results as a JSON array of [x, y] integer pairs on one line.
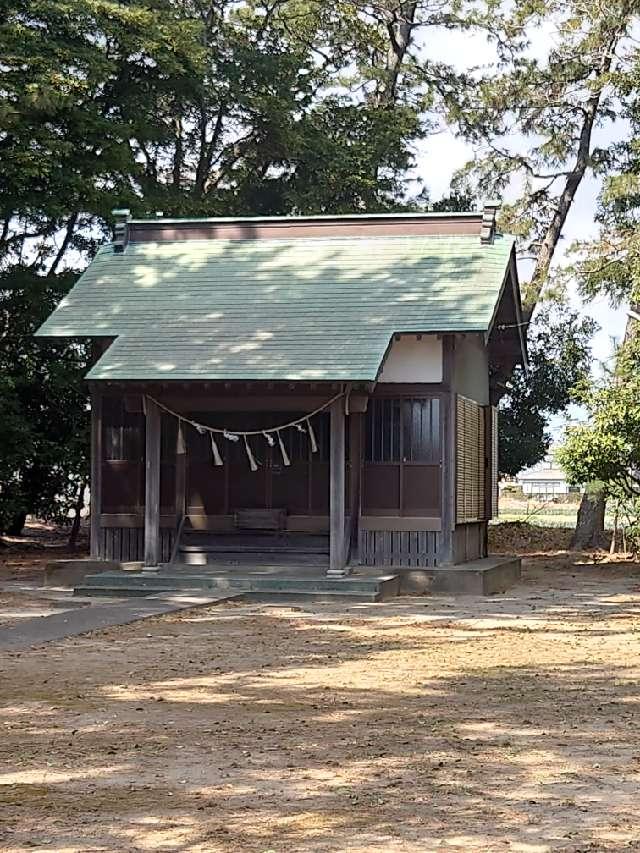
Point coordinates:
[[285, 458], [217, 459], [270, 435], [252, 462], [181, 447], [312, 436]]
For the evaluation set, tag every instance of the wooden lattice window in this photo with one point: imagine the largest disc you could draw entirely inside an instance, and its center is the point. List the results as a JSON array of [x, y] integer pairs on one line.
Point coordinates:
[[471, 463], [403, 430], [402, 472]]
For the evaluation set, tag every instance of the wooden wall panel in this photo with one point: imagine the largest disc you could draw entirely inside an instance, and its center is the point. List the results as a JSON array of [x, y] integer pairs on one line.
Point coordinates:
[[421, 490], [122, 486], [469, 542], [381, 487], [126, 544], [167, 487], [400, 548]]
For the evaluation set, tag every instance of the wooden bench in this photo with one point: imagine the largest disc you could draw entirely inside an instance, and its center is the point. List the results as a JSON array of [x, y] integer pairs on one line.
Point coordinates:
[[260, 519]]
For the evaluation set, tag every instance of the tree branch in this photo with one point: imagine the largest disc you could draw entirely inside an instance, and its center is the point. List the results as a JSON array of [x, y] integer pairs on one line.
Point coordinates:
[[68, 234]]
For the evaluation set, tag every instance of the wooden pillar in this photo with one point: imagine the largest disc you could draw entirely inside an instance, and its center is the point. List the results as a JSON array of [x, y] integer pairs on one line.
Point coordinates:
[[337, 487], [355, 468], [448, 512], [152, 485], [96, 474]]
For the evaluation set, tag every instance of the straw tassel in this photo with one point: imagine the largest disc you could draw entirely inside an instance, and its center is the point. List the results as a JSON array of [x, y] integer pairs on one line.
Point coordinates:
[[312, 437], [180, 445], [252, 462], [217, 459], [285, 458], [144, 404]]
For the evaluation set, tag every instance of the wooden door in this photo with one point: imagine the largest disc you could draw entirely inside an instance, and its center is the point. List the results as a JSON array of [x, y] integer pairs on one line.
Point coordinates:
[[301, 488], [289, 484]]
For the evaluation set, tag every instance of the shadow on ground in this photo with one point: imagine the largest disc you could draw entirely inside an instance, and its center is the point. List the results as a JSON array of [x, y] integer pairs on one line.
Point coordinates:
[[476, 724]]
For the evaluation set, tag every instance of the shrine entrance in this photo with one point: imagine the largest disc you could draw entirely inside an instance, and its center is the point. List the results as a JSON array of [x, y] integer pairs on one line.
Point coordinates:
[[289, 477]]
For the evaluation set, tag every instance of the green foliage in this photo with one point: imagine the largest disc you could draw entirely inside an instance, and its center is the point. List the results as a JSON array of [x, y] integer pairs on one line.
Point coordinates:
[[607, 447], [559, 360], [194, 108], [44, 423], [532, 118]]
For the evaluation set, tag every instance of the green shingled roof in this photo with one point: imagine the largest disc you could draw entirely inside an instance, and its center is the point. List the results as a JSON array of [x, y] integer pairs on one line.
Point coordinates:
[[296, 308]]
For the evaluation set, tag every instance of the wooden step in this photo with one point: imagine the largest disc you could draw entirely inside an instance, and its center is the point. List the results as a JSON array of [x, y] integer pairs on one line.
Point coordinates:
[[251, 549]]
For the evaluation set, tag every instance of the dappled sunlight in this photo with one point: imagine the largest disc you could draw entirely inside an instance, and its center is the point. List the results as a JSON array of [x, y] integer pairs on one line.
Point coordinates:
[[478, 724], [225, 289], [54, 777]]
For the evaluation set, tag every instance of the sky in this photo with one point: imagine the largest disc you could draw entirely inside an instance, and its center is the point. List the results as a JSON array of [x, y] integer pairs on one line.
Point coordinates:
[[440, 155]]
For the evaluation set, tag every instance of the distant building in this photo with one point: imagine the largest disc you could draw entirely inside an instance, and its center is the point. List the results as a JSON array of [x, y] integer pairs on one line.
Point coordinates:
[[545, 480]]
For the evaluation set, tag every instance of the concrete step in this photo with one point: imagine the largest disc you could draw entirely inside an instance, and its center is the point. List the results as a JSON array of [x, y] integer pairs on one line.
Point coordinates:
[[187, 580], [119, 591], [320, 597], [290, 594], [139, 583]]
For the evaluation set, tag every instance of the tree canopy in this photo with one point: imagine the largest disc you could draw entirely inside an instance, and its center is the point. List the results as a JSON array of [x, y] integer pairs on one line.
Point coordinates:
[[607, 446], [221, 107]]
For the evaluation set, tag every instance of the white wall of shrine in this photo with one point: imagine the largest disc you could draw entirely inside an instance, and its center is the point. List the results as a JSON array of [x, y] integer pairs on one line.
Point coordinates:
[[471, 368], [413, 358]]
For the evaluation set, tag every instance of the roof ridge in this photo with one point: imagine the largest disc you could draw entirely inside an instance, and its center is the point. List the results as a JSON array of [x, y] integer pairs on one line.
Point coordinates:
[[316, 217]]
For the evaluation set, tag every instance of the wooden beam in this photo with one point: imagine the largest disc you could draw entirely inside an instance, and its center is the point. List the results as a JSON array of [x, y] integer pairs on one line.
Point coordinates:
[[96, 474], [400, 523], [337, 486], [133, 519], [152, 485]]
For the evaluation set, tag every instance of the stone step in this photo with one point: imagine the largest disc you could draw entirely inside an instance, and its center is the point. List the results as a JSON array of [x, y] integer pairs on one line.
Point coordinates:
[[319, 596], [118, 591], [286, 595], [183, 580], [279, 587]]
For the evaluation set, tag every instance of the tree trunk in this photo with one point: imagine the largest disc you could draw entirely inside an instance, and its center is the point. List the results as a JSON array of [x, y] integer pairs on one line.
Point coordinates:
[[17, 524], [589, 532], [75, 527]]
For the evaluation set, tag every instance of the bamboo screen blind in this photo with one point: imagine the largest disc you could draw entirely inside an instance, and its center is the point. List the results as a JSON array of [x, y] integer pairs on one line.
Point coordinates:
[[492, 442], [471, 495]]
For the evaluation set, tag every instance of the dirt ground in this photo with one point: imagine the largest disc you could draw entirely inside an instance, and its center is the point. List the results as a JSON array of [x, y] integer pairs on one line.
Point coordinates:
[[419, 724], [23, 558]]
